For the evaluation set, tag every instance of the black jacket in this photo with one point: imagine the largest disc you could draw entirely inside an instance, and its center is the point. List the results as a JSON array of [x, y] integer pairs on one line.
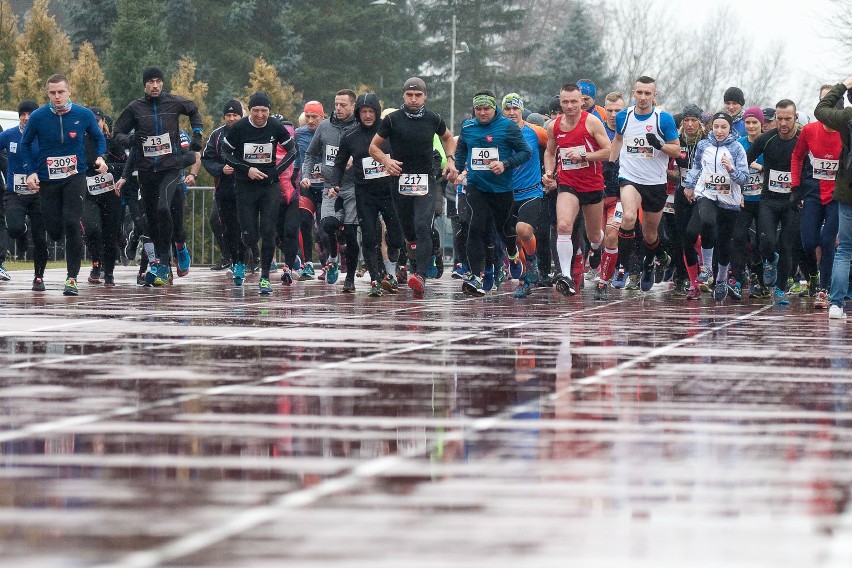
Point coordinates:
[[356, 144], [214, 163]]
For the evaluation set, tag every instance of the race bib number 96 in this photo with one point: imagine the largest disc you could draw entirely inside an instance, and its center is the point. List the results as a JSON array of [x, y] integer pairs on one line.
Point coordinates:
[[414, 184]]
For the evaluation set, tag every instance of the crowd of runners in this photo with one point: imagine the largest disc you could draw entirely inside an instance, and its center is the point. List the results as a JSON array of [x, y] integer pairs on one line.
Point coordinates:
[[739, 201]]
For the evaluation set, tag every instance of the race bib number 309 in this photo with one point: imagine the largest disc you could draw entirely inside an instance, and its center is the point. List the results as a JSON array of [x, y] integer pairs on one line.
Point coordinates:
[[61, 167]]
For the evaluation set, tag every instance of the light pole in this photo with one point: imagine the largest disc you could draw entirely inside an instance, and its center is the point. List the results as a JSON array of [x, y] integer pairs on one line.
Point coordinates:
[[464, 49], [382, 3]]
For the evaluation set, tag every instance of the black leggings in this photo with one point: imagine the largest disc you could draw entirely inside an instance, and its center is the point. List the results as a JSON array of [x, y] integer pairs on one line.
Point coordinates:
[[773, 212], [18, 208], [62, 209], [370, 205], [683, 213], [158, 193], [287, 228], [255, 202], [218, 230], [708, 220], [227, 209], [488, 210], [742, 241], [101, 221], [415, 214]]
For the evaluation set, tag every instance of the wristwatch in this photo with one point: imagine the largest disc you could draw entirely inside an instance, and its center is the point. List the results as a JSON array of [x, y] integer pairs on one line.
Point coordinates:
[[583, 153]]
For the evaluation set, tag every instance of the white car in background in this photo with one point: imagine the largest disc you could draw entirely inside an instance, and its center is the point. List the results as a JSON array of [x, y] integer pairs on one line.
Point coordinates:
[[8, 119]]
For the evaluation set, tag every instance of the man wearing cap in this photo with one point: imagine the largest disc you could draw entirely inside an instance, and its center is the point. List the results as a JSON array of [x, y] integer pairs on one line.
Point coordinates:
[[336, 211], [411, 131], [154, 118], [734, 103], [250, 148], [528, 193], [310, 198], [53, 151], [490, 147], [19, 202], [224, 184], [589, 92]]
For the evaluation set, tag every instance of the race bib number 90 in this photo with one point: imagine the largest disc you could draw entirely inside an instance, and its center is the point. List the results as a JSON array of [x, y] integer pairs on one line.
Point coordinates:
[[718, 182], [101, 183], [61, 167], [414, 184], [257, 153], [779, 181], [638, 147], [481, 157], [159, 145]]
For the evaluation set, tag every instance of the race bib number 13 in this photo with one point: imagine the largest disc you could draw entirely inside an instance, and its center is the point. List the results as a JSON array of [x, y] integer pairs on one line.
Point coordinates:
[[159, 145], [414, 184]]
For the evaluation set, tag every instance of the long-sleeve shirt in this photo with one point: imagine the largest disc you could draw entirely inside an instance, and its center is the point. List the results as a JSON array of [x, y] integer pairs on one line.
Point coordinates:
[[777, 153], [61, 149], [815, 161], [482, 142], [248, 146]]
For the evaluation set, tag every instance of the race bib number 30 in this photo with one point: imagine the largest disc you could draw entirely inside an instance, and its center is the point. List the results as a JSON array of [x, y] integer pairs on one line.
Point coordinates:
[[257, 153], [159, 145], [638, 147], [824, 168], [779, 181], [718, 182], [61, 167], [480, 158], [373, 169], [414, 184], [566, 163], [101, 183], [19, 185], [754, 185]]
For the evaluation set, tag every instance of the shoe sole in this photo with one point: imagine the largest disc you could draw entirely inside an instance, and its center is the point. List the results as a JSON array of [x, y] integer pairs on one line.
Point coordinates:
[[415, 285], [565, 289], [70, 293], [182, 273]]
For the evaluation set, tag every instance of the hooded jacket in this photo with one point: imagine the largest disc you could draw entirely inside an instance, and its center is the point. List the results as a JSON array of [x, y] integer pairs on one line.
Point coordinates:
[[369, 175], [708, 163], [478, 137], [323, 148], [840, 120]]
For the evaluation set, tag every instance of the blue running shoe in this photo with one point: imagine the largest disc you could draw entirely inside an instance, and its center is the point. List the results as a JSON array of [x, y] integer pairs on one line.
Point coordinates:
[[779, 297], [531, 270], [432, 271], [473, 286], [770, 272], [332, 272], [184, 261], [239, 273], [620, 280], [460, 272], [516, 267], [164, 275], [265, 287], [151, 273], [488, 279]]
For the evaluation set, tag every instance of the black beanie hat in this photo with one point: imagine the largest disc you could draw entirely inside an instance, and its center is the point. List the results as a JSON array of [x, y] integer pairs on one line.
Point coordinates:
[[152, 73], [233, 106], [260, 99], [692, 110], [724, 116], [736, 95], [27, 105]]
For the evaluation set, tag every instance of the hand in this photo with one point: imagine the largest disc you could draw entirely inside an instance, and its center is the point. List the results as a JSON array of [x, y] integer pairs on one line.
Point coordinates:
[[496, 167], [256, 174], [138, 137], [119, 184], [190, 179], [726, 163], [653, 140], [33, 183], [450, 172], [796, 201], [227, 170], [305, 183], [549, 181], [333, 191], [100, 166], [195, 145], [393, 167], [689, 194], [575, 156]]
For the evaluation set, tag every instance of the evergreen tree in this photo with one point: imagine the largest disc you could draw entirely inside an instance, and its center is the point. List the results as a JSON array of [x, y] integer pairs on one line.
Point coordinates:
[[264, 77], [92, 20], [185, 85], [8, 50], [25, 82], [87, 79], [48, 45]]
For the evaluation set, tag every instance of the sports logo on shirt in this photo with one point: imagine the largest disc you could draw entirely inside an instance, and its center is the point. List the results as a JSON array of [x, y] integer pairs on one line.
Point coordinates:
[[648, 128], [489, 138], [72, 134]]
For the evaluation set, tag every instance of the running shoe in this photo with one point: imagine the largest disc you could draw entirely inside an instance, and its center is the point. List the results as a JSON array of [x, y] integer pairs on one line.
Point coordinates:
[[660, 267], [705, 279], [620, 280], [401, 273], [321, 275], [349, 283], [95, 275], [595, 257], [184, 261], [779, 297], [389, 285], [4, 274], [669, 274], [460, 272], [836, 312], [131, 246], [38, 285], [286, 277], [432, 271], [109, 280], [565, 286], [646, 280], [164, 275], [264, 286], [721, 291], [239, 273], [375, 290], [308, 271], [735, 289], [70, 287], [417, 285], [770, 272], [524, 288], [502, 275], [222, 265], [602, 292], [473, 286], [632, 283], [488, 279], [694, 292], [273, 267], [332, 272], [681, 287], [821, 300], [151, 273], [140, 279], [516, 267], [531, 270], [361, 271], [795, 287]]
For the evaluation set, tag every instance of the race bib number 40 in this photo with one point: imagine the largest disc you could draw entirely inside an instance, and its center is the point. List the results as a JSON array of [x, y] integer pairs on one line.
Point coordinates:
[[754, 185], [566, 163], [638, 147], [779, 181], [101, 183], [61, 167], [257, 153], [718, 182], [481, 157], [373, 169], [414, 184], [19, 185], [159, 145]]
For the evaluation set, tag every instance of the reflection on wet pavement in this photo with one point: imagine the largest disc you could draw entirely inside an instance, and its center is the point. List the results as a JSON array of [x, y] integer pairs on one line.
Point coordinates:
[[205, 426]]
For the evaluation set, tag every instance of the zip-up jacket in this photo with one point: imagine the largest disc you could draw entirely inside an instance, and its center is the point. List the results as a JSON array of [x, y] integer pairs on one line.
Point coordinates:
[[10, 141], [369, 175], [211, 159], [704, 176], [323, 148], [248, 146], [158, 118], [841, 121], [478, 139], [59, 135]]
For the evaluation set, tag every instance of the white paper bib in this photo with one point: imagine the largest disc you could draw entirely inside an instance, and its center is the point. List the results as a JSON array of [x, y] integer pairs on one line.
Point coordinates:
[[61, 167], [159, 145], [480, 158], [414, 184], [100, 183]]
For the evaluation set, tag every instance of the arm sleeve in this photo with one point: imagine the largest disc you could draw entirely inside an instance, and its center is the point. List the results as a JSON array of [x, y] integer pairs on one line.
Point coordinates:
[[130, 163], [521, 150], [25, 148], [195, 120], [210, 157], [228, 154], [668, 127], [312, 154], [830, 116], [798, 158], [740, 173], [461, 154], [122, 127], [97, 136]]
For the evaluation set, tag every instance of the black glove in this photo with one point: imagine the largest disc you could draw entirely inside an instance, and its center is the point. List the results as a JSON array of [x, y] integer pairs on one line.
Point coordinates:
[[138, 137], [654, 141], [796, 201], [338, 204], [195, 145]]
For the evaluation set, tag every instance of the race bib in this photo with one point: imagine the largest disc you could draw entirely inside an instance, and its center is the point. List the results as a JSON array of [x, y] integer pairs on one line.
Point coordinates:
[[779, 181], [414, 184], [61, 167], [13, 147], [566, 163], [618, 216], [100, 183], [718, 182], [668, 206], [159, 145], [257, 153], [330, 154], [481, 157], [754, 185], [638, 147], [372, 168], [19, 185], [824, 168]]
